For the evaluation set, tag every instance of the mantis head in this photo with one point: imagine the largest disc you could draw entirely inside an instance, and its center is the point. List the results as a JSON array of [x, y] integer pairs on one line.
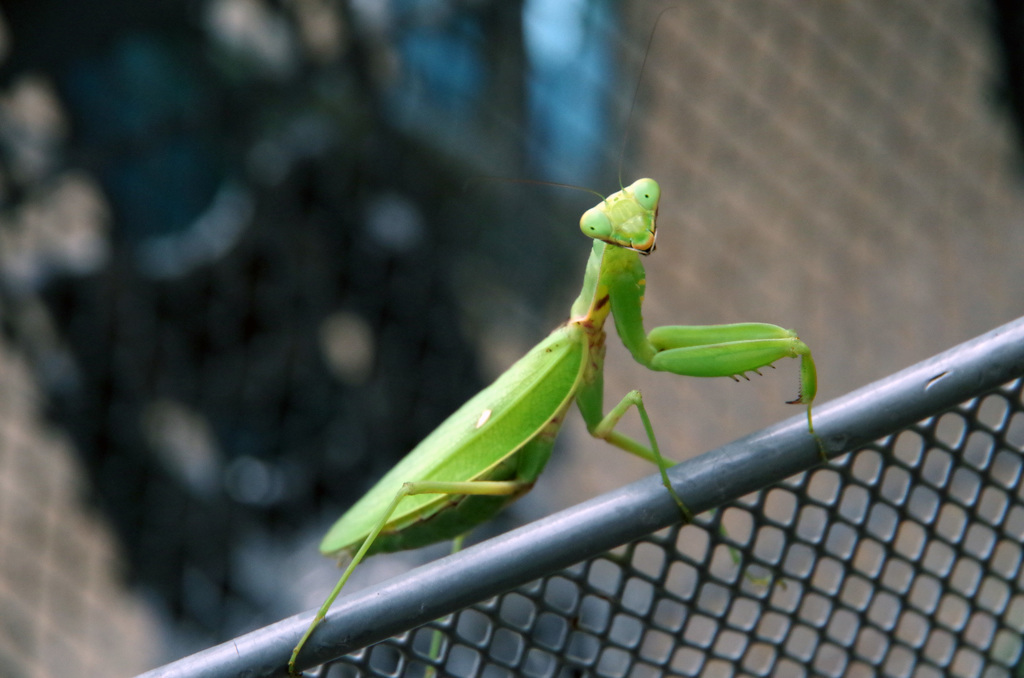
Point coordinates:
[[626, 219]]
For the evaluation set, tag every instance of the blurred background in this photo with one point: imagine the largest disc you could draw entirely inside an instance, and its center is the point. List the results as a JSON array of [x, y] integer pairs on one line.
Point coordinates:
[[251, 253]]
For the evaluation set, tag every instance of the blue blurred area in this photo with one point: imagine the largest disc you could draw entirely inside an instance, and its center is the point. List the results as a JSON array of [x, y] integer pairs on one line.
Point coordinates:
[[143, 110], [445, 64], [571, 75], [144, 105], [444, 72]]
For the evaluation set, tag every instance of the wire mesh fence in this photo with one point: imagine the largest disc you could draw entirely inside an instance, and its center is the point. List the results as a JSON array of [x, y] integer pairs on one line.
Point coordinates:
[[241, 273], [902, 556]]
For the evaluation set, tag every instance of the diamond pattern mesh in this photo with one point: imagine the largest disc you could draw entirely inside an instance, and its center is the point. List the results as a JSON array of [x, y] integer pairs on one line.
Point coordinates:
[[845, 169], [902, 558]]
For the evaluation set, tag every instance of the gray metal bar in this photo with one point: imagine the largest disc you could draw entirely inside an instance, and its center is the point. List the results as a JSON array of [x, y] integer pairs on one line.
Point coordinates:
[[626, 514]]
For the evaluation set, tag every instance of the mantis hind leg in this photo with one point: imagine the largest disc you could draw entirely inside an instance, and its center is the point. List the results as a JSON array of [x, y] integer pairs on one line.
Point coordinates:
[[436, 637], [493, 487]]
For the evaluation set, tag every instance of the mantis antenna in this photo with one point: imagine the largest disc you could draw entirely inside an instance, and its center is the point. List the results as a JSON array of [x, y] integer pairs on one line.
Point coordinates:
[[536, 182], [625, 136], [636, 90]]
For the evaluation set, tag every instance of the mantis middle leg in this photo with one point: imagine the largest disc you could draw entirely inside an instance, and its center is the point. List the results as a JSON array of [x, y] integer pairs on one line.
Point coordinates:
[[590, 400]]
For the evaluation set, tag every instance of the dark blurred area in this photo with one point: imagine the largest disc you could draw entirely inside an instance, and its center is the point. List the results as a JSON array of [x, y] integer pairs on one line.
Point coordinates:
[[1008, 31], [235, 233], [241, 256]]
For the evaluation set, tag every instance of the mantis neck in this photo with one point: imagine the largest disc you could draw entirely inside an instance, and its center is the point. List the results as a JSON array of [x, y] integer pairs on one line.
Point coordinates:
[[606, 262]]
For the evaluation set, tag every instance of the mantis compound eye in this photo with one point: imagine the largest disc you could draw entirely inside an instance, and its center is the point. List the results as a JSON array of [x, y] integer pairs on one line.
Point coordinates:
[[595, 224], [646, 192]]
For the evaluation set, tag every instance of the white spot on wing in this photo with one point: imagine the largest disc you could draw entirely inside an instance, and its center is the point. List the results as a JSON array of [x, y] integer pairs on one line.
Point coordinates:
[[484, 416]]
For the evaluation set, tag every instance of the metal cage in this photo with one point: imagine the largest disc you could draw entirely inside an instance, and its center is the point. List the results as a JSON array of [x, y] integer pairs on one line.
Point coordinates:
[[902, 555]]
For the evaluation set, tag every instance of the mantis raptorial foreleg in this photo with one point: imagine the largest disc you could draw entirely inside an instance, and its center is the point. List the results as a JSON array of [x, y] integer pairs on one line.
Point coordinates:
[[711, 350], [732, 350]]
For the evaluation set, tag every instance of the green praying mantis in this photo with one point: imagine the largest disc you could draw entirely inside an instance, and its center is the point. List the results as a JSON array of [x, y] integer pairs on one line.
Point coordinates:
[[492, 449]]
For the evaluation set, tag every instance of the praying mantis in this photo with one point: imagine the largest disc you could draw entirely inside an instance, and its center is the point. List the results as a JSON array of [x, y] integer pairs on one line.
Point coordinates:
[[492, 449]]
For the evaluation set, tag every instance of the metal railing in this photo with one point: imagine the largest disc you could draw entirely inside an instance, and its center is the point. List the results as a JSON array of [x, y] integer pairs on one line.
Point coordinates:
[[902, 554]]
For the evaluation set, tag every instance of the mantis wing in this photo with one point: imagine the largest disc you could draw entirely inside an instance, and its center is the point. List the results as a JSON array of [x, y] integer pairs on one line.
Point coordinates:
[[488, 429]]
